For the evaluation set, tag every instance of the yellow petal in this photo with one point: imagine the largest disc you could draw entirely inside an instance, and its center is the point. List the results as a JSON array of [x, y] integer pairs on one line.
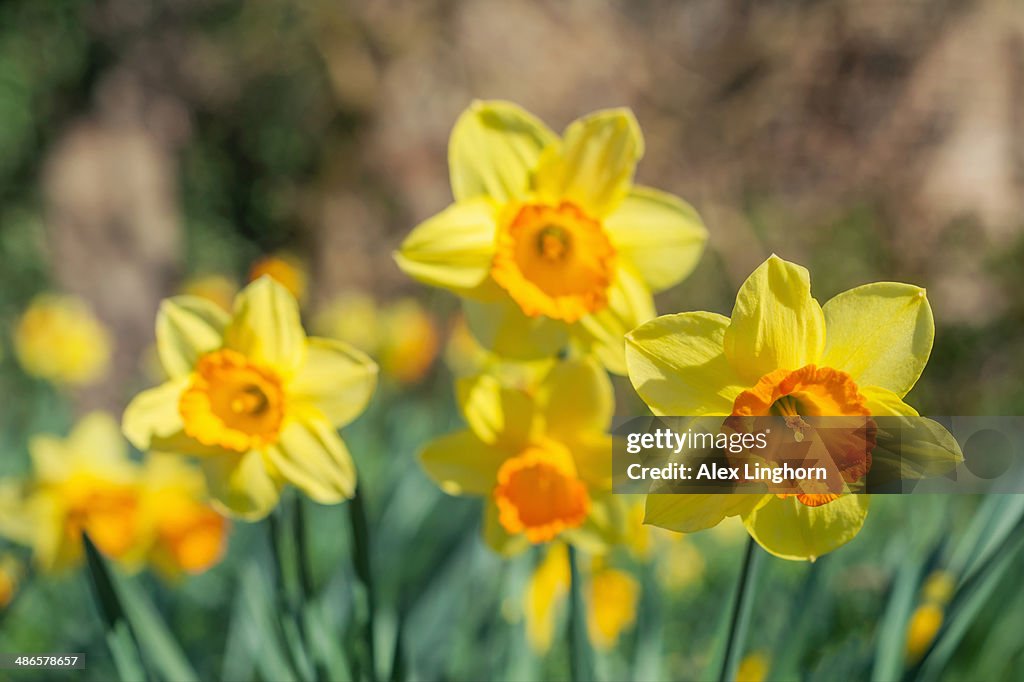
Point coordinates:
[[154, 414], [660, 234], [460, 463], [496, 414], [266, 326], [613, 600], [187, 327], [502, 328], [592, 455], [576, 397], [607, 524], [241, 485], [790, 529], [604, 333], [882, 402], [677, 365], [495, 535], [594, 163], [545, 593], [50, 458], [881, 334], [776, 324], [691, 513], [454, 248], [493, 151], [336, 378], [311, 455]]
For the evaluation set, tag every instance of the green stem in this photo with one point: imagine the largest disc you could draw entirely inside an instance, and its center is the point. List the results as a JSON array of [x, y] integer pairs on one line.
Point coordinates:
[[364, 571], [741, 608], [581, 655]]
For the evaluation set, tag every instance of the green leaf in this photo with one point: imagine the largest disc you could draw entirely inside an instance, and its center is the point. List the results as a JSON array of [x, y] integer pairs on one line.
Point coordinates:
[[121, 601], [890, 647]]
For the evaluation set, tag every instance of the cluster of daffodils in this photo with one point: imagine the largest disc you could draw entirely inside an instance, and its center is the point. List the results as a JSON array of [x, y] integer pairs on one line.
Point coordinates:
[[556, 253], [154, 513]]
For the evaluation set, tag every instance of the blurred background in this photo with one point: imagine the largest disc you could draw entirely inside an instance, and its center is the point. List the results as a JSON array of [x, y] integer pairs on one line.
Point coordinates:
[[153, 147]]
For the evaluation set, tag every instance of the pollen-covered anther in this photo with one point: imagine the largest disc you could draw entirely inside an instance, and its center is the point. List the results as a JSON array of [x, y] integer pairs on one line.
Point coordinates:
[[554, 261]]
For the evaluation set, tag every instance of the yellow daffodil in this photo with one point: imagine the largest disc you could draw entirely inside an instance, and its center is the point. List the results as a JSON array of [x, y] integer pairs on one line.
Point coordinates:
[[188, 535], [60, 340], [924, 625], [549, 241], [410, 341], [254, 399], [217, 289], [781, 353], [353, 317], [287, 269], [10, 577], [539, 454], [612, 603], [753, 668], [84, 483], [545, 592]]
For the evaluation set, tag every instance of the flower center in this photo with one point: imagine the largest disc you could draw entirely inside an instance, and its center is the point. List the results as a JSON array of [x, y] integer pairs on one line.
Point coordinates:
[[801, 396], [103, 509], [539, 493], [233, 403], [554, 261]]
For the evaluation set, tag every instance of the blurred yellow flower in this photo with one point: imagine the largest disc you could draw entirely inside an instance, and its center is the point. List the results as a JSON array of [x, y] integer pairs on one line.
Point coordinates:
[[924, 625], [547, 588], [286, 269], [540, 455], [753, 668], [60, 340], [613, 600], [217, 289], [681, 564], [548, 240], [401, 335], [783, 354], [84, 483], [255, 400], [352, 317], [10, 577], [939, 587], [188, 535]]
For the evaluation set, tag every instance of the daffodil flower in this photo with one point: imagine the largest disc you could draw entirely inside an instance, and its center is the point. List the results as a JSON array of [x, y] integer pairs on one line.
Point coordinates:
[[549, 241], [253, 399], [188, 536], [781, 353], [84, 483], [539, 454]]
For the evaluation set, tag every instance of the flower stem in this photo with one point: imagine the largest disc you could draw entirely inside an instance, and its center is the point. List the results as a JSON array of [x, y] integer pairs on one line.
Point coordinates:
[[581, 655], [741, 608], [362, 564]]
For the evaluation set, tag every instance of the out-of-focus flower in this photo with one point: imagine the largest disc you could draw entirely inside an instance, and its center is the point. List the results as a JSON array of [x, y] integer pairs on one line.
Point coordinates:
[[680, 564], [286, 269], [613, 600], [217, 289], [401, 335], [410, 341], [939, 587], [10, 577], [924, 624], [84, 483], [548, 240], [545, 592], [783, 354], [753, 668], [60, 340], [539, 454], [188, 535], [352, 317], [254, 399]]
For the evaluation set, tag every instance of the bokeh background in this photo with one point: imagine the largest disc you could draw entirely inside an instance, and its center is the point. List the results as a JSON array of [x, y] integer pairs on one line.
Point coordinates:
[[147, 147]]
